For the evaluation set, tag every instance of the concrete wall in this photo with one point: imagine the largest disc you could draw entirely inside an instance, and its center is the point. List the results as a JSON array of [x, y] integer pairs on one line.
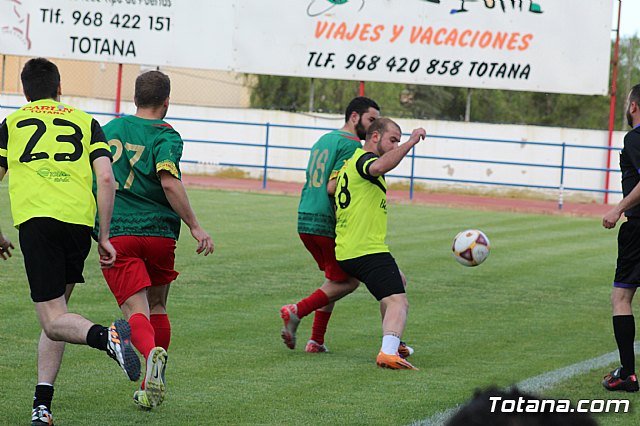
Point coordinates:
[[444, 142]]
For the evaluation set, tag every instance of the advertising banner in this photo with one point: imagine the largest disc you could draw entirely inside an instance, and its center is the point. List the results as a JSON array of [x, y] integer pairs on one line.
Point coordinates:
[[543, 45]]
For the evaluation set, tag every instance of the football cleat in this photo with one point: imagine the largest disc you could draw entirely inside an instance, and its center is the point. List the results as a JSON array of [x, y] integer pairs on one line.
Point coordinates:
[[405, 351], [315, 347], [41, 415], [119, 348], [154, 379], [614, 382], [289, 314], [141, 399], [394, 362]]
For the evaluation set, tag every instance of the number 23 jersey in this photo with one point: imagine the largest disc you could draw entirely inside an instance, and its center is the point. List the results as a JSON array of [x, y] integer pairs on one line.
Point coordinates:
[[48, 147]]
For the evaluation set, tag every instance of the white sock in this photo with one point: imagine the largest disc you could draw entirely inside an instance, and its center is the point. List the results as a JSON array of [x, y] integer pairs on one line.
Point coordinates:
[[390, 344]]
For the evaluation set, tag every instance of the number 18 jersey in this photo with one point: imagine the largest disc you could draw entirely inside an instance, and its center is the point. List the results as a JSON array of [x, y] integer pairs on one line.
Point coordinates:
[[315, 212]]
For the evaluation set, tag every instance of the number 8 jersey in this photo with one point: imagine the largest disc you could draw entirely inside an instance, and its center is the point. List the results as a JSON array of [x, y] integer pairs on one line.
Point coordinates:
[[48, 147], [361, 209]]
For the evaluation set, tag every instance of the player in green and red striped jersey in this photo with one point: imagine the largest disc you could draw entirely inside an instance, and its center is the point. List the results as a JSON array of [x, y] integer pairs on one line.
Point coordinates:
[[316, 222], [150, 201]]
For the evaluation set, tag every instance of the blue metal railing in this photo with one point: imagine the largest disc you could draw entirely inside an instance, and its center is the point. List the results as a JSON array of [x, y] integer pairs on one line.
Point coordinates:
[[268, 146]]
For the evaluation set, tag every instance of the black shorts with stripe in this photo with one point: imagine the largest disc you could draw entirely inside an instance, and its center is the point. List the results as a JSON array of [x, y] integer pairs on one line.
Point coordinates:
[[378, 271], [54, 254]]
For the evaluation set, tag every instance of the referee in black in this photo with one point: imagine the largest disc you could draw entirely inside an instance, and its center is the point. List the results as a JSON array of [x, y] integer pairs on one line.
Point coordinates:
[[627, 278]]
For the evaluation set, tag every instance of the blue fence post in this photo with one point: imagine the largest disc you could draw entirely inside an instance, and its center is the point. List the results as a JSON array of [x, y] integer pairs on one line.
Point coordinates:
[[561, 187], [413, 163], [266, 157]]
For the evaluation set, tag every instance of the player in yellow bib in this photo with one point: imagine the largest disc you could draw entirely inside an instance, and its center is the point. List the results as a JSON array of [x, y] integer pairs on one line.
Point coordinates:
[[361, 229], [50, 150]]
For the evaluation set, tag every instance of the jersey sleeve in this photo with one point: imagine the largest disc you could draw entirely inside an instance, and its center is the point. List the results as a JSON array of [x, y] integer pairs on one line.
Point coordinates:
[[363, 164], [167, 152], [345, 151], [631, 147], [4, 140], [98, 146]]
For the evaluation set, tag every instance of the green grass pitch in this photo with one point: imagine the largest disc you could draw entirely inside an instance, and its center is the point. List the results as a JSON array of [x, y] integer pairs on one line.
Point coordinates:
[[540, 302]]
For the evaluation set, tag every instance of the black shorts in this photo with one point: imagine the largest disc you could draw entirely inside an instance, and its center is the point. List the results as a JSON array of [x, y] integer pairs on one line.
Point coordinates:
[[378, 271], [54, 254], [628, 263]]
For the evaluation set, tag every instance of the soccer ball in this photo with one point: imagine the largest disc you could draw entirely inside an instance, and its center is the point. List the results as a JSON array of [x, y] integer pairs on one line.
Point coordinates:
[[470, 247]]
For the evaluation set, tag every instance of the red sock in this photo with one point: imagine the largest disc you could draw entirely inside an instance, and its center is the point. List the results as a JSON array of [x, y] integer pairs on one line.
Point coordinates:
[[316, 300], [162, 327], [142, 334], [320, 321]]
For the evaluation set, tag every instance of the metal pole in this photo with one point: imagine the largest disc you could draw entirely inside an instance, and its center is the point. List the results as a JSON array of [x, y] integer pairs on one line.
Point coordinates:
[[361, 88], [561, 187], [119, 90], [266, 158], [612, 105]]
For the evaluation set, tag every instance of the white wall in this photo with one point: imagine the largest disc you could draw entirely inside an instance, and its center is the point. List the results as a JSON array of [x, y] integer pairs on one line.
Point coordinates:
[[209, 156]]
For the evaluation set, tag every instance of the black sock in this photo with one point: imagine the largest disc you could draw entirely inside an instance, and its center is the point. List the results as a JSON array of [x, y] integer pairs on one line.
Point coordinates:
[[97, 337], [43, 396], [624, 328]]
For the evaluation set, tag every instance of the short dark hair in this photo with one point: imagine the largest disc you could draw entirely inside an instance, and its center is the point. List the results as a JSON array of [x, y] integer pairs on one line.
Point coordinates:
[[360, 105], [634, 95], [152, 88], [40, 79], [381, 125]]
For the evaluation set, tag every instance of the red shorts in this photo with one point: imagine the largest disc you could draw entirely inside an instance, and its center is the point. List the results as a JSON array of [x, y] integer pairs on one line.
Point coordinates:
[[323, 250], [141, 262]]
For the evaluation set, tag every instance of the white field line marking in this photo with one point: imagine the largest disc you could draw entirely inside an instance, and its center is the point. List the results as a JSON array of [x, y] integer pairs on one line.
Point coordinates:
[[537, 383]]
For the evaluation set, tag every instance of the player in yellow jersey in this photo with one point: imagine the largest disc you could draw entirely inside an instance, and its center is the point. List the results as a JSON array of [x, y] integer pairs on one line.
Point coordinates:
[[50, 150], [361, 229]]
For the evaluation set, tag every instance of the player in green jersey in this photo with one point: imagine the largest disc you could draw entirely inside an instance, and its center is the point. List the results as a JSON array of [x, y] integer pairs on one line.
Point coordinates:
[[316, 222], [50, 150], [361, 229], [150, 201]]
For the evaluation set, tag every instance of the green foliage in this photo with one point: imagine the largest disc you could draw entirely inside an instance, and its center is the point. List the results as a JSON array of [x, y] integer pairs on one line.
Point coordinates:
[[449, 103], [540, 302]]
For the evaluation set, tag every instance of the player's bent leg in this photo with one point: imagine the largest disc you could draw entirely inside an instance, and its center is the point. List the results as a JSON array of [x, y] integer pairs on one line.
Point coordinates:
[[396, 309], [61, 325]]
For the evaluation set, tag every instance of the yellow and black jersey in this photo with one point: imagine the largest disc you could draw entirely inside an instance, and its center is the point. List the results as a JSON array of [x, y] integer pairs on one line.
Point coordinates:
[[361, 208], [48, 148]]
